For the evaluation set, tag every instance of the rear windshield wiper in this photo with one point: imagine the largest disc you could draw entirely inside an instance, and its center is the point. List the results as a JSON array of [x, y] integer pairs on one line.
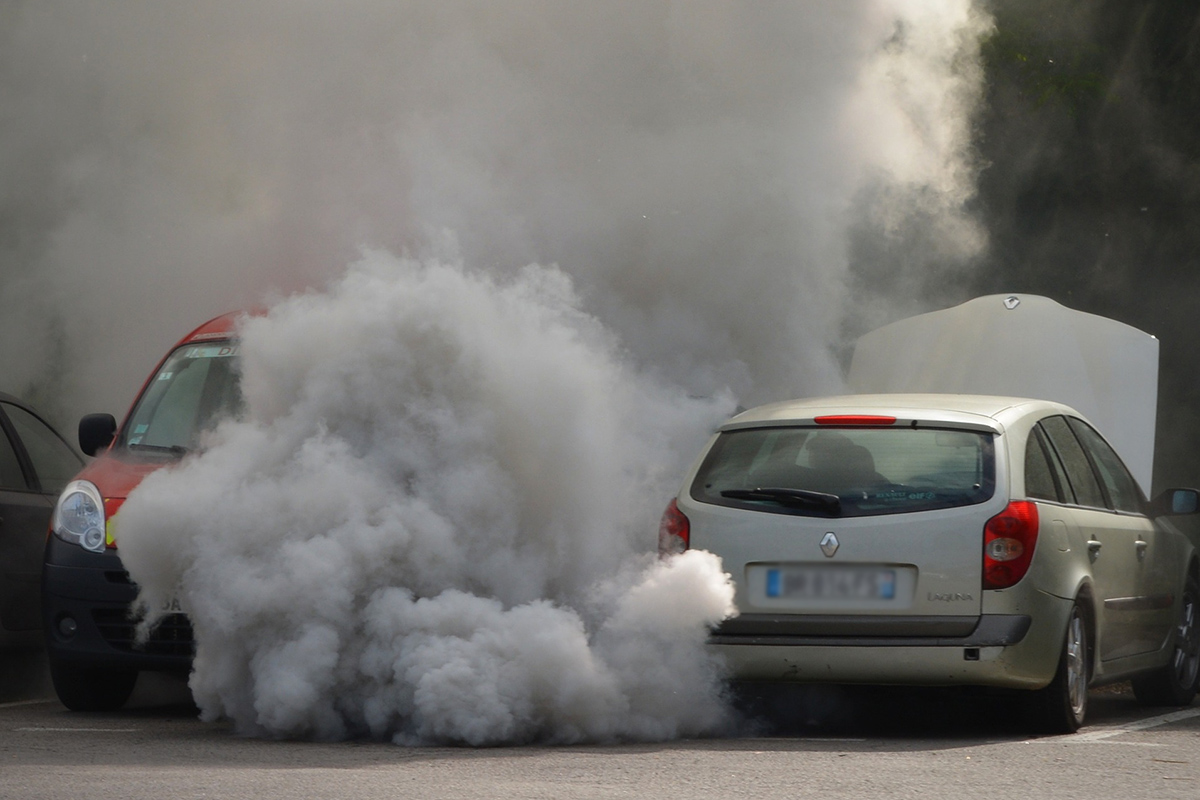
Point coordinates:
[[176, 449], [793, 498]]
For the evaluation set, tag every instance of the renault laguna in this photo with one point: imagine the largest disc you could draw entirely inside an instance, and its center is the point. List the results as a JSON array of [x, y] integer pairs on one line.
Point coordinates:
[[942, 540]]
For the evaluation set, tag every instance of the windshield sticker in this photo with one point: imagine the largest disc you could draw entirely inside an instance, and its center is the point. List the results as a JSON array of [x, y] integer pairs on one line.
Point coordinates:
[[140, 428], [166, 376], [135, 440], [212, 351]]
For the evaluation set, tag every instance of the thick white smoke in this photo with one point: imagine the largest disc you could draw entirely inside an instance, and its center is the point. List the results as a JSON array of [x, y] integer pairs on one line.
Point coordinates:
[[434, 522], [695, 166]]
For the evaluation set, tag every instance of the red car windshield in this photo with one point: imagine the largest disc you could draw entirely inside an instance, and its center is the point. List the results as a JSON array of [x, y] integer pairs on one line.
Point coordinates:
[[196, 387]]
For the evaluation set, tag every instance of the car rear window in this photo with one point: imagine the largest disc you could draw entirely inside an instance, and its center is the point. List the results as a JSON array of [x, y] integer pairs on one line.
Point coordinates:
[[848, 472]]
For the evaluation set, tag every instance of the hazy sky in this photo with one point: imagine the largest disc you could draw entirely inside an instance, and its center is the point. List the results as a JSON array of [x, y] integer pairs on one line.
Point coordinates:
[[694, 166]]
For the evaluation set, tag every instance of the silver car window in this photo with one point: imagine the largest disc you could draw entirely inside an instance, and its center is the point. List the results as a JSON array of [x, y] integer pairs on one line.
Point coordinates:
[[1056, 466], [1078, 466], [1122, 489], [1040, 481]]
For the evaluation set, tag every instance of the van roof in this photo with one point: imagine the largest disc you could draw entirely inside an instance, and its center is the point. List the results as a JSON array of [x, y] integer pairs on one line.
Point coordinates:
[[222, 327]]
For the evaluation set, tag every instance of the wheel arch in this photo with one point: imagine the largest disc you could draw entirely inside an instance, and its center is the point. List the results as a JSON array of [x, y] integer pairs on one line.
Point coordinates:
[[1086, 600]]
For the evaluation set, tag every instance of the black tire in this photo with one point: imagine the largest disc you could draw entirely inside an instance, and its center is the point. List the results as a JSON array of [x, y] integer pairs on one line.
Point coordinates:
[[1174, 684], [88, 689], [1061, 707]]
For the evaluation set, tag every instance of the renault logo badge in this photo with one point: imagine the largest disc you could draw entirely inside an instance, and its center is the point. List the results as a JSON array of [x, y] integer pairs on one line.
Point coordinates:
[[1011, 302], [829, 544]]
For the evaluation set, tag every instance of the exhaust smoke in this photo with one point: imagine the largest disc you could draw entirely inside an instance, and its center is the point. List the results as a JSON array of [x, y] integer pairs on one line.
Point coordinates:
[[434, 521], [695, 167]]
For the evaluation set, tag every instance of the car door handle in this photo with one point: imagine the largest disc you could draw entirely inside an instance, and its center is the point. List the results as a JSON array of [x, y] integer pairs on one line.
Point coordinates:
[[1141, 545], [1094, 548]]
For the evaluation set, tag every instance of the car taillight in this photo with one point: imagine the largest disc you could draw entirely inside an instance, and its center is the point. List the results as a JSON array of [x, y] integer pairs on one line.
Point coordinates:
[[855, 420], [1008, 542], [674, 531]]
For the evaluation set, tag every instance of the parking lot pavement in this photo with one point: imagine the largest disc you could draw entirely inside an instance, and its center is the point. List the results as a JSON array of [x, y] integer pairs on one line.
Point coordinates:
[[158, 748], [24, 675]]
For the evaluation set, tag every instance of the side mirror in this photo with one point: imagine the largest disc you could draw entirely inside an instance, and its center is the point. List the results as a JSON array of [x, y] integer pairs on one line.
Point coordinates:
[[96, 432], [1176, 501]]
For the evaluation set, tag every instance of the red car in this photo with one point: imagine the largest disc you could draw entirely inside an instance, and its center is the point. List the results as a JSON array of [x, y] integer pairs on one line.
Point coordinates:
[[86, 592]]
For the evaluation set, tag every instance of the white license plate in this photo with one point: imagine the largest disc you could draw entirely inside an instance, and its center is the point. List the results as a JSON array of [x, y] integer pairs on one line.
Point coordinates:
[[831, 583]]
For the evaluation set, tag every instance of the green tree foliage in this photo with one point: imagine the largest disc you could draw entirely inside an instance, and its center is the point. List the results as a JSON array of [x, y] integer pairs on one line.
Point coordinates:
[[1091, 196]]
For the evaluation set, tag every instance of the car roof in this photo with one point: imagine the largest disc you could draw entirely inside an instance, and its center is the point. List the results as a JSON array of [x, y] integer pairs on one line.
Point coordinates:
[[222, 327], [16, 401], [980, 412]]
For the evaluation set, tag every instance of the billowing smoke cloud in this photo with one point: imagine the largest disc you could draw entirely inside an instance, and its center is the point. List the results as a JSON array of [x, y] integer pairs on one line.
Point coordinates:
[[443, 494], [694, 166], [434, 520]]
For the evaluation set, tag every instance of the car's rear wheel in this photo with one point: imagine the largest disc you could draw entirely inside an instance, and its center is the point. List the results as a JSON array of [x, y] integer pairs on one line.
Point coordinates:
[[90, 689], [1174, 684], [1062, 706]]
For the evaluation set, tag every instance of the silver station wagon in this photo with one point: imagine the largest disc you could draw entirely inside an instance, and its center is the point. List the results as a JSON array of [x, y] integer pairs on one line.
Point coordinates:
[[941, 539]]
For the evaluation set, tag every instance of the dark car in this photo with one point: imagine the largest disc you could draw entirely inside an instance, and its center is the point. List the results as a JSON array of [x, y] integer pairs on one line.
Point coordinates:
[[94, 654], [35, 464]]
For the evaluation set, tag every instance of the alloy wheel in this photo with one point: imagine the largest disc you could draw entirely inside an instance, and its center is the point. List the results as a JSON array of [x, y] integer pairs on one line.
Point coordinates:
[[1076, 656], [1187, 643]]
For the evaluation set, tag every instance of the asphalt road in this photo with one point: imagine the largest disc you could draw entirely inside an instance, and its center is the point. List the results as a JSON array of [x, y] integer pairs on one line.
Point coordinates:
[[839, 744]]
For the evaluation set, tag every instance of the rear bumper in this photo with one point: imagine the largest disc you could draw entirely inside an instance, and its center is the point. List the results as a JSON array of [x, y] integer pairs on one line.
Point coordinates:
[[1004, 650], [830, 630]]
